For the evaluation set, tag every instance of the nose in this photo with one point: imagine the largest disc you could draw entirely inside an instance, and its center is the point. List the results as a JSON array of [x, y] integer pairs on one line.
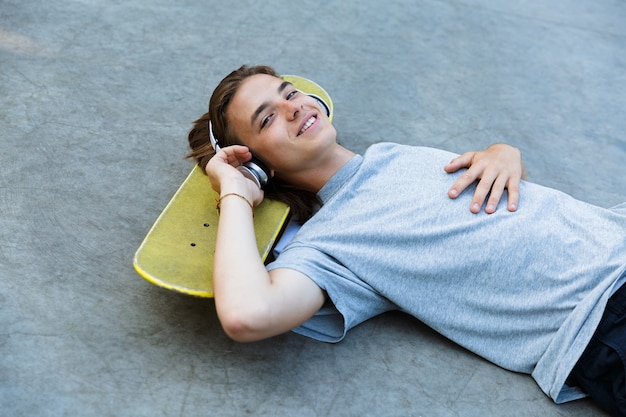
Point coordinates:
[[290, 108]]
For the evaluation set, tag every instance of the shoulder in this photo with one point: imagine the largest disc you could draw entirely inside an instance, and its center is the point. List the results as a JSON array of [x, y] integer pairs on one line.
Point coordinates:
[[386, 149], [394, 157]]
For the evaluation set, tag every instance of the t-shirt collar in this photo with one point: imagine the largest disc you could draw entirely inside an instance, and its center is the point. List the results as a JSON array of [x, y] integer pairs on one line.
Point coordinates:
[[338, 180]]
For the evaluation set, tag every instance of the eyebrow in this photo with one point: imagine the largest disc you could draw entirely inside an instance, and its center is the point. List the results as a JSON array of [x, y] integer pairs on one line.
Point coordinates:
[[266, 104]]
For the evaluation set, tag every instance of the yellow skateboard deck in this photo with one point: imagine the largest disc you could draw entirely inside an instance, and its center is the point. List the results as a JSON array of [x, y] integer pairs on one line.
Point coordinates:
[[177, 253]]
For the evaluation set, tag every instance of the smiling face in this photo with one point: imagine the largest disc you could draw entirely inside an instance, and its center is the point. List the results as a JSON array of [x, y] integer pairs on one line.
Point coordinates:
[[285, 128]]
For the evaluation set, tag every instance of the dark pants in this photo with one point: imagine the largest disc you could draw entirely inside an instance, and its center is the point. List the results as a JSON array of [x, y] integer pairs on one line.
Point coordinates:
[[601, 370]]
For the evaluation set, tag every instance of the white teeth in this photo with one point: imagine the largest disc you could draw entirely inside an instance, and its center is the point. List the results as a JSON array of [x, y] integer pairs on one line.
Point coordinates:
[[307, 125]]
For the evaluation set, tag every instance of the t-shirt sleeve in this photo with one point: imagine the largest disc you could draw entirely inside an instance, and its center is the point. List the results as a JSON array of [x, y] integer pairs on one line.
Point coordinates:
[[350, 300]]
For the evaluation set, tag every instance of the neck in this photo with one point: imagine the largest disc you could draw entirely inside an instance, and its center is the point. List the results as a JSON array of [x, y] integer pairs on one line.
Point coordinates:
[[315, 178]]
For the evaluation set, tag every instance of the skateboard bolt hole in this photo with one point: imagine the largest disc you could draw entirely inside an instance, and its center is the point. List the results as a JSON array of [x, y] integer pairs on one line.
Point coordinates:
[[193, 244]]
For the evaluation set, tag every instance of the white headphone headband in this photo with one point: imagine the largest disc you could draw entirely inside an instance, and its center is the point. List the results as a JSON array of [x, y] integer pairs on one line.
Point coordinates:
[[214, 144]]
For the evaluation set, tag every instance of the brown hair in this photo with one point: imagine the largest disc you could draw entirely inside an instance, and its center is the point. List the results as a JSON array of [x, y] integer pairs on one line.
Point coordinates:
[[303, 203]]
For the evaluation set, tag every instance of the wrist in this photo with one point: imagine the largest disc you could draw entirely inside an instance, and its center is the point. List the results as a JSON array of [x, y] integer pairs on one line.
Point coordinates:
[[236, 185], [234, 196]]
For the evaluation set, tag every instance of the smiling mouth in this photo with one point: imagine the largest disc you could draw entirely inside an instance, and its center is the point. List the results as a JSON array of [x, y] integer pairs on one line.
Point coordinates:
[[307, 125]]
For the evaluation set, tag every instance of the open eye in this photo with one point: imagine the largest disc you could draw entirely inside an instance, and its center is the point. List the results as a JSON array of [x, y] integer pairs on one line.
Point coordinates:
[[266, 120], [291, 94]]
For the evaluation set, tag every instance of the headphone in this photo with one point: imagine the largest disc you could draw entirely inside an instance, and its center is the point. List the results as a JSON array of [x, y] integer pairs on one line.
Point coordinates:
[[255, 170]]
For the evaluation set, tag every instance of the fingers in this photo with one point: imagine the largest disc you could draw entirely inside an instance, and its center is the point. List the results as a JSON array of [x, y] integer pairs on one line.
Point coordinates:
[[496, 168], [497, 189], [463, 161], [494, 188], [486, 185], [491, 184], [221, 167], [234, 155], [464, 181], [467, 178], [513, 189]]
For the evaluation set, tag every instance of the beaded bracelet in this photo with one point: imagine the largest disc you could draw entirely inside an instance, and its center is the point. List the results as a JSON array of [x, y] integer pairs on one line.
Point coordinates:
[[237, 195]]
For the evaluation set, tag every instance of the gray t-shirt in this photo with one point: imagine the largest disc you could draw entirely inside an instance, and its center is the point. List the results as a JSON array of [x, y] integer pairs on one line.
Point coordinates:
[[525, 290]]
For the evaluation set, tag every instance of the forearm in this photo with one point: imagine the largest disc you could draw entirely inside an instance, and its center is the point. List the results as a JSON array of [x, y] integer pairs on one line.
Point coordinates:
[[240, 279]]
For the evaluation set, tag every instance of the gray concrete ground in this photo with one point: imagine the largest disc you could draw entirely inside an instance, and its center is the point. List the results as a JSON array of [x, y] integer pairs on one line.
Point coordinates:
[[96, 98]]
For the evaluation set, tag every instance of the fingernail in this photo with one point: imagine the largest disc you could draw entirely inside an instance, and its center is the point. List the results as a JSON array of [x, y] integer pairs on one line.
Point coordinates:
[[512, 207], [491, 208], [453, 192], [475, 207]]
